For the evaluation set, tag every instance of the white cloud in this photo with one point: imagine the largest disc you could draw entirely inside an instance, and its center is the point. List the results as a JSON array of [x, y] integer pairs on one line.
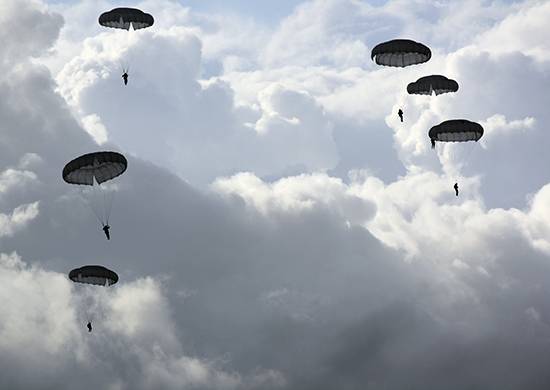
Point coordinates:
[[419, 214], [497, 125], [43, 328], [191, 120], [28, 30], [12, 178], [301, 276], [524, 32], [18, 218], [298, 193], [92, 124]]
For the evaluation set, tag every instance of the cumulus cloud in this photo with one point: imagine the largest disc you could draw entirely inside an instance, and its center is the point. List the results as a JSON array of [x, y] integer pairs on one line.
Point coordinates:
[[43, 329], [29, 29], [319, 245], [191, 118], [523, 29], [12, 183], [469, 258], [11, 179], [18, 218], [92, 124], [304, 192]]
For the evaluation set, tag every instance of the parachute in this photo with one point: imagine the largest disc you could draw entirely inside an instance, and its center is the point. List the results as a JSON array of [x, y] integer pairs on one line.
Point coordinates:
[[90, 300], [124, 17], [434, 83], [93, 274], [101, 166], [456, 130], [93, 169], [400, 53]]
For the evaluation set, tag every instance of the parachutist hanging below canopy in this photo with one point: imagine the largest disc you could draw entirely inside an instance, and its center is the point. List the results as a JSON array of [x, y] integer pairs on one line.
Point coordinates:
[[432, 84], [93, 169], [400, 113], [94, 275], [123, 18], [455, 130], [400, 53]]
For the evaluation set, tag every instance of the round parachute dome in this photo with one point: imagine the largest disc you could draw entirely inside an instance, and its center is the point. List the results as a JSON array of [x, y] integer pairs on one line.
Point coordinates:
[[400, 53], [456, 130], [434, 83], [124, 17], [93, 274], [101, 166]]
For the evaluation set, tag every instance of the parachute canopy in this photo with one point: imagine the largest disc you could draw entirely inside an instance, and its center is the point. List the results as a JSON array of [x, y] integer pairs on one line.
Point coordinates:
[[400, 53], [434, 83], [93, 274], [123, 17], [456, 130], [102, 166]]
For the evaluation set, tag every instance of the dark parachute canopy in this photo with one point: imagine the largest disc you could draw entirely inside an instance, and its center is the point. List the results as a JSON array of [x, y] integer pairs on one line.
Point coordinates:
[[123, 17], [92, 169], [434, 83], [101, 166], [456, 130], [400, 53], [93, 274]]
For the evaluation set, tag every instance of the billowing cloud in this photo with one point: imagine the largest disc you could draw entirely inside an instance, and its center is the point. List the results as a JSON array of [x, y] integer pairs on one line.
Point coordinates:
[[278, 227], [28, 30], [191, 117], [43, 330]]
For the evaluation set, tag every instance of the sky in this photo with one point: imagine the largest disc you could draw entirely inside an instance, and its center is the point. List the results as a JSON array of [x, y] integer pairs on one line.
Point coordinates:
[[277, 227]]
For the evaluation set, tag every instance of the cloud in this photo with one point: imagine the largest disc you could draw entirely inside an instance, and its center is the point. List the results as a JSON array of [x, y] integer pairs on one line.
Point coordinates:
[[18, 218], [12, 183], [471, 280], [10, 179], [92, 124], [28, 30], [523, 30], [498, 125], [191, 118], [273, 272], [297, 193], [131, 325]]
